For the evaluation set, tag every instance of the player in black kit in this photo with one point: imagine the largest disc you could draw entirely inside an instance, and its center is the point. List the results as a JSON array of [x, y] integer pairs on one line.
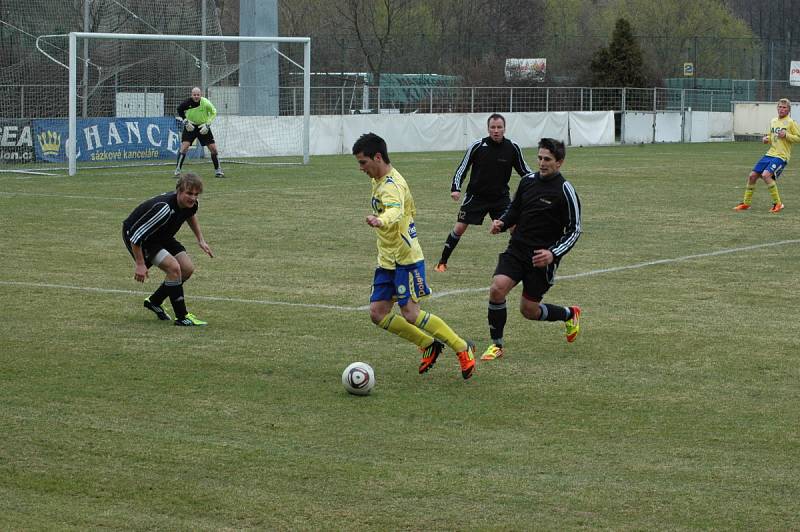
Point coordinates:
[[149, 234], [546, 217], [491, 159]]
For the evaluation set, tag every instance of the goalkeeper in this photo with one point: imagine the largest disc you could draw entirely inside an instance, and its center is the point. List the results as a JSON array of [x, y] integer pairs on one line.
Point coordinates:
[[196, 114]]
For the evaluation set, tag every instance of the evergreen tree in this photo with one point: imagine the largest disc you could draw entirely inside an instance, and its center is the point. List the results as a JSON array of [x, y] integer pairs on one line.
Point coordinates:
[[621, 64]]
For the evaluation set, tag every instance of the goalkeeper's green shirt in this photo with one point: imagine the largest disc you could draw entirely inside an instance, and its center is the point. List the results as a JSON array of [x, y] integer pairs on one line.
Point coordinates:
[[202, 112], [397, 237], [782, 147]]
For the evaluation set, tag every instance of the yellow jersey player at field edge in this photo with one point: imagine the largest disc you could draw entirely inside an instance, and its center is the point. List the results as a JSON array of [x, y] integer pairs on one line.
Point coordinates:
[[400, 274], [783, 132]]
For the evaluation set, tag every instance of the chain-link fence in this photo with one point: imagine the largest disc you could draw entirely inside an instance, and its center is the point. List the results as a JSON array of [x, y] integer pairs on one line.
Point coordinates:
[[50, 101]]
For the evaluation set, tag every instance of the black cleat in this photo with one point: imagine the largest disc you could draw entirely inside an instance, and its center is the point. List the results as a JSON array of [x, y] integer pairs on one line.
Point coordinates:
[[158, 310]]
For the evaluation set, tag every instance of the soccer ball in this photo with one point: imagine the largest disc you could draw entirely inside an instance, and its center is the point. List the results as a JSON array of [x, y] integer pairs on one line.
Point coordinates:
[[358, 378]]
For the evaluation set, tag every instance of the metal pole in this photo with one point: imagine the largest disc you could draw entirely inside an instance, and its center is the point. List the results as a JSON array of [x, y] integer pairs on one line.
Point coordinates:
[[73, 112], [203, 63], [622, 119], [683, 115], [771, 48], [86, 10], [306, 100]]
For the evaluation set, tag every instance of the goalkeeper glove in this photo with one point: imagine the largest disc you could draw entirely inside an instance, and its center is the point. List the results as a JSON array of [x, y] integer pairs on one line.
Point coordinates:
[[189, 126], [204, 129]]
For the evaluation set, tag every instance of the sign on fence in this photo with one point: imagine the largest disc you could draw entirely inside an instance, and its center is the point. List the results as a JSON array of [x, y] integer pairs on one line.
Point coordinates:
[[109, 139], [794, 73], [16, 141]]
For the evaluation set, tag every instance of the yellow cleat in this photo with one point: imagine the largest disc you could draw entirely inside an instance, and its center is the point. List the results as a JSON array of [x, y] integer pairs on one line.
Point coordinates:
[[190, 320], [493, 352], [573, 325]]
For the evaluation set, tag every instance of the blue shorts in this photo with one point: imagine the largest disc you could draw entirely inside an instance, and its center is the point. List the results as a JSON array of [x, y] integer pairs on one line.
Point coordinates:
[[401, 284], [774, 165]]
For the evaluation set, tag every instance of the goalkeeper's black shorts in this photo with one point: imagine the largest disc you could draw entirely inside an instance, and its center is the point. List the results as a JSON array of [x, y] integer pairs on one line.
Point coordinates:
[[205, 140]]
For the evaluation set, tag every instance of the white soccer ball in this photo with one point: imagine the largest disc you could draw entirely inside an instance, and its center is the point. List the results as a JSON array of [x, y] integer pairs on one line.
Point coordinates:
[[358, 378]]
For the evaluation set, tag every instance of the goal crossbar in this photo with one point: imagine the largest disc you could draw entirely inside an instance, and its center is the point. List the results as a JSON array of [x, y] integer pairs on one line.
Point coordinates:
[[73, 75]]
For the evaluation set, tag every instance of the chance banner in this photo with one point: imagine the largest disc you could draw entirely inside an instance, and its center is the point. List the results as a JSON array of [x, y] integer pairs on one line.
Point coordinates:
[[110, 139]]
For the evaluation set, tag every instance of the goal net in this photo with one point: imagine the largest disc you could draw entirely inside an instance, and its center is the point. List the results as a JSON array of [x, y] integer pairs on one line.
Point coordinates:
[[117, 95]]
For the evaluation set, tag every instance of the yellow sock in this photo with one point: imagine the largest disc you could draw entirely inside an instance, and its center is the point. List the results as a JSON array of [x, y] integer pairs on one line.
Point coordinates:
[[748, 194], [398, 325], [440, 330], [773, 191]]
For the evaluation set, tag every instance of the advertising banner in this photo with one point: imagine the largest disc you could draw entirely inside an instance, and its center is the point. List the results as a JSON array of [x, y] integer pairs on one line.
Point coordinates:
[[110, 139], [794, 73], [16, 141], [526, 69]]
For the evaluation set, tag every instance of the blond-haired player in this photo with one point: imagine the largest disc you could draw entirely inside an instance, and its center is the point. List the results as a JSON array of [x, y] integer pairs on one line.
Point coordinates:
[[783, 132]]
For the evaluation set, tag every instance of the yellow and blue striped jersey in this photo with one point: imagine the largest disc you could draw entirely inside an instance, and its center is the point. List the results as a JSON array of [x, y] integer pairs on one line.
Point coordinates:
[[393, 203], [782, 147]]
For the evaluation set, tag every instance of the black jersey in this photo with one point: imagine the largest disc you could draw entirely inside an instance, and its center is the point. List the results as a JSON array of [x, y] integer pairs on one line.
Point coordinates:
[[491, 164], [157, 219], [547, 213]]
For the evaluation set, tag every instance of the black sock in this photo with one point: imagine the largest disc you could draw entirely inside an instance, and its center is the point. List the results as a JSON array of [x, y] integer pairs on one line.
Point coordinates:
[[497, 321], [449, 245], [159, 295], [215, 160], [554, 313], [175, 290]]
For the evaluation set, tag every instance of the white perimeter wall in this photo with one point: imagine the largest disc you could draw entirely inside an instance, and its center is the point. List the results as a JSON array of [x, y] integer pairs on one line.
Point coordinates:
[[243, 136], [752, 118], [674, 126]]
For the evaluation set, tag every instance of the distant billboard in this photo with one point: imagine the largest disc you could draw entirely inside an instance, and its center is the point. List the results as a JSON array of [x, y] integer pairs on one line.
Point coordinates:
[[794, 73], [526, 69]]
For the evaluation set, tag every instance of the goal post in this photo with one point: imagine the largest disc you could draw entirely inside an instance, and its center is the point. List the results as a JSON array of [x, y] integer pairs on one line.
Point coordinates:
[[256, 84]]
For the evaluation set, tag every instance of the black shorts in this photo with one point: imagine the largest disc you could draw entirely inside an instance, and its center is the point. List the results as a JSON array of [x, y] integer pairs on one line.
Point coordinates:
[[205, 140], [474, 209], [518, 265], [151, 249]]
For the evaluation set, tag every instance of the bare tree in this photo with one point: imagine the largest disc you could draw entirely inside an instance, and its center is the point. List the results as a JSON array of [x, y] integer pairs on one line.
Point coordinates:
[[374, 24]]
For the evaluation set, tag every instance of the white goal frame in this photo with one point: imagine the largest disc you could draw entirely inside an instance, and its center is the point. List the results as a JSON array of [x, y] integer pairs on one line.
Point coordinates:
[[73, 75]]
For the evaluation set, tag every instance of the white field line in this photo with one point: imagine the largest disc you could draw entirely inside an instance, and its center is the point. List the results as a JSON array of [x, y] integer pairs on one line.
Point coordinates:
[[640, 265], [434, 296]]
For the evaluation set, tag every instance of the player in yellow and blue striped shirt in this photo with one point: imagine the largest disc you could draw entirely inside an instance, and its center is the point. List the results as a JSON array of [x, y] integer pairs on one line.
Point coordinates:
[[400, 275], [783, 132]]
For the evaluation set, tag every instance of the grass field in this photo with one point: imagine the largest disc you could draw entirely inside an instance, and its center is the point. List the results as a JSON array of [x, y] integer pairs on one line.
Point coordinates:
[[677, 408]]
